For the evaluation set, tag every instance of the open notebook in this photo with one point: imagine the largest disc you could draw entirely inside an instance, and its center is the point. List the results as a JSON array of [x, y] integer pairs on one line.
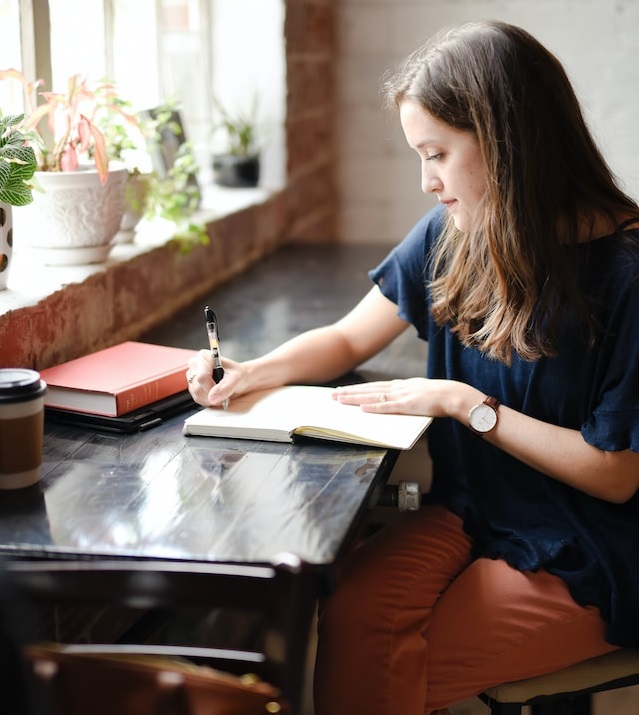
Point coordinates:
[[282, 413]]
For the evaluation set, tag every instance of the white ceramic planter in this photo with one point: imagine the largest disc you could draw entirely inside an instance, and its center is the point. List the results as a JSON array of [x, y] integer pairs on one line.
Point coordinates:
[[6, 243], [75, 219], [136, 191]]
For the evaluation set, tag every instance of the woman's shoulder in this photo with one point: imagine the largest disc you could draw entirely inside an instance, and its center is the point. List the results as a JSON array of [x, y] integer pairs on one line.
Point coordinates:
[[617, 248], [408, 260], [611, 270], [421, 237], [431, 224]]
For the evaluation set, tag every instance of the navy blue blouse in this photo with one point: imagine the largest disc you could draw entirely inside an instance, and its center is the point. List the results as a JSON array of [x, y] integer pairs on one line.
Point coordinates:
[[510, 510]]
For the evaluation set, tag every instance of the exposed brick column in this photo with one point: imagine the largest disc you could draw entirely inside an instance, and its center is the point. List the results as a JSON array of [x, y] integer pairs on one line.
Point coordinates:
[[311, 57]]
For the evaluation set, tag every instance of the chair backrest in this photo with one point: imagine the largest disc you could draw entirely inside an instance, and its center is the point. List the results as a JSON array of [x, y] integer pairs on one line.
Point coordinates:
[[14, 683], [282, 593]]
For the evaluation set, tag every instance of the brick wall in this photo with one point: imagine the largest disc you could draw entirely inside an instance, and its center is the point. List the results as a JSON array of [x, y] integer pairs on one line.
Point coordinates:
[[310, 58]]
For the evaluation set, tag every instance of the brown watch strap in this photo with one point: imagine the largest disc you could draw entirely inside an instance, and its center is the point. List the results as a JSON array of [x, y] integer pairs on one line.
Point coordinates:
[[492, 402]]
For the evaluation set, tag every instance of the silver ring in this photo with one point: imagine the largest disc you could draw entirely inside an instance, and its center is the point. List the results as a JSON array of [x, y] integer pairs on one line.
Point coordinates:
[[382, 397]]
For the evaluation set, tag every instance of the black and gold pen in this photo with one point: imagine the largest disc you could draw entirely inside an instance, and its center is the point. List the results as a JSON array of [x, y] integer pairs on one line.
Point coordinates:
[[213, 332]]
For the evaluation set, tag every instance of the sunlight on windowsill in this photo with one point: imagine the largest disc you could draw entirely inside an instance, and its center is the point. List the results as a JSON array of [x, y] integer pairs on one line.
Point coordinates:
[[30, 281]]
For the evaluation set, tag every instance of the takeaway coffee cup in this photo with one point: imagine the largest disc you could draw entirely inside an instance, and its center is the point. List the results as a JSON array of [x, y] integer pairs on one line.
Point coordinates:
[[21, 427]]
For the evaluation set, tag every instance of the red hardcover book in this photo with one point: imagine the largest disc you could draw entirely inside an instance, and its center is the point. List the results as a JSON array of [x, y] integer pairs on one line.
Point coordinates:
[[117, 380]]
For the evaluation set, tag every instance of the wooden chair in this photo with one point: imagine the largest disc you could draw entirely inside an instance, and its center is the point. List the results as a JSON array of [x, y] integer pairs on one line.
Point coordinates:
[[568, 691], [282, 594]]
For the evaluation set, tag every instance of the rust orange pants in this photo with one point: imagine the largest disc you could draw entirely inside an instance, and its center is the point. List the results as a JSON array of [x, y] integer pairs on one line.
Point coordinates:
[[415, 625]]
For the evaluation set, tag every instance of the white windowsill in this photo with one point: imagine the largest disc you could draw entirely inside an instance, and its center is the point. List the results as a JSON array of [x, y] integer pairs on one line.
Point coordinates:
[[30, 281]]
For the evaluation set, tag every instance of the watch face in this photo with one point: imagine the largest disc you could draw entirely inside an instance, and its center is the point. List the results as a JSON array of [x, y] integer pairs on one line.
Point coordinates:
[[482, 418]]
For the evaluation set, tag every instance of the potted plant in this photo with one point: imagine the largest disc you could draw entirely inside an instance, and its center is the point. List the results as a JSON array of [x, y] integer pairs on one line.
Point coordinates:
[[162, 184], [77, 214], [174, 194], [126, 137], [17, 167], [237, 162]]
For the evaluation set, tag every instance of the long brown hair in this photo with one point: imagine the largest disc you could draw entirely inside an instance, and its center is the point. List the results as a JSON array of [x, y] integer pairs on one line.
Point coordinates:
[[506, 284]]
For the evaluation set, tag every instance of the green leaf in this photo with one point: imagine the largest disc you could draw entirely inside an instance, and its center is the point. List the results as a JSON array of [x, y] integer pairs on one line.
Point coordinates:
[[17, 163], [20, 172], [19, 154], [18, 195], [11, 120], [5, 172]]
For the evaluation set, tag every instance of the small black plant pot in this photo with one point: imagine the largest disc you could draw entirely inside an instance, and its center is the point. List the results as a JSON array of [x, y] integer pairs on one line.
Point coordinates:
[[236, 171]]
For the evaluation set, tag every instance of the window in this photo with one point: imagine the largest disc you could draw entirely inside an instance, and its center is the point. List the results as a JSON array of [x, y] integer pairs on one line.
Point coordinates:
[[10, 56], [152, 49], [158, 50]]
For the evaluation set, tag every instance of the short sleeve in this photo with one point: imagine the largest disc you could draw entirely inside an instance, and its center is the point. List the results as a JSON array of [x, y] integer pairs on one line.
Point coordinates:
[[403, 275], [614, 417]]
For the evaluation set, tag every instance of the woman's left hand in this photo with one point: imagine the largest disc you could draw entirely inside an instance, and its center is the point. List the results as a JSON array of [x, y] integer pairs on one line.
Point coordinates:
[[413, 396], [559, 452]]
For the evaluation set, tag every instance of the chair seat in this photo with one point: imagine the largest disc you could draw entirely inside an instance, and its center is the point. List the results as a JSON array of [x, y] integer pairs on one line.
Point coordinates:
[[605, 672]]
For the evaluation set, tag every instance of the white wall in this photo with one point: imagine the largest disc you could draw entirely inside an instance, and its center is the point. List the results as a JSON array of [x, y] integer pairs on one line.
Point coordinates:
[[597, 41], [249, 61]]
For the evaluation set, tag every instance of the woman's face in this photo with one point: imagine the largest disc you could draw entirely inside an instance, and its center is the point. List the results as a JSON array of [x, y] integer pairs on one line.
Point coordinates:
[[452, 165]]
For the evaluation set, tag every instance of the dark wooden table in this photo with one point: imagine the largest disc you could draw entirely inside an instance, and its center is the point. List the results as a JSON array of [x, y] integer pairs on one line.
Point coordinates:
[[161, 495]]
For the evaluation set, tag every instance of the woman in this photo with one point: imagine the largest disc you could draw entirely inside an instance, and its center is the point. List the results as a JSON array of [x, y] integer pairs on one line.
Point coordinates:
[[525, 283]]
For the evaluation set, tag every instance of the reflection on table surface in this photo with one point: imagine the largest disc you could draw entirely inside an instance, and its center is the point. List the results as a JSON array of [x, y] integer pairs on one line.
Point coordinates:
[[161, 494]]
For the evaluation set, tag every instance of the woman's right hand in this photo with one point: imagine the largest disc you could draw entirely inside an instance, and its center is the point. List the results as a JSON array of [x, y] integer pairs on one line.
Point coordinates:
[[314, 357], [200, 381]]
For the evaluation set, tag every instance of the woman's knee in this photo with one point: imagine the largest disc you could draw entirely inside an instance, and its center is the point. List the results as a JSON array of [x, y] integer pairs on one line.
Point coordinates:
[[411, 560]]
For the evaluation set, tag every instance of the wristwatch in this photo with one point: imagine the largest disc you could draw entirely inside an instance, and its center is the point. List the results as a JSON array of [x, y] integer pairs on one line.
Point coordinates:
[[482, 418]]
